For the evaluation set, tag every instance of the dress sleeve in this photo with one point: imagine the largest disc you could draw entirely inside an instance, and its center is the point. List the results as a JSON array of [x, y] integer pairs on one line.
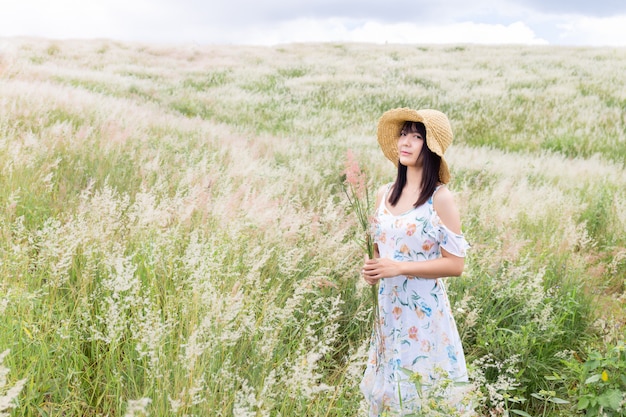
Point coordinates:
[[450, 241]]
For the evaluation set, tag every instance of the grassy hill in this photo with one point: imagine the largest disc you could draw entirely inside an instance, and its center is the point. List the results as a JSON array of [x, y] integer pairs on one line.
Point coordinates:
[[175, 239]]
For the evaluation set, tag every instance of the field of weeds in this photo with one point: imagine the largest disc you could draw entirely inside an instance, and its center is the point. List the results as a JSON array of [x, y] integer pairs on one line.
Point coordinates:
[[175, 239]]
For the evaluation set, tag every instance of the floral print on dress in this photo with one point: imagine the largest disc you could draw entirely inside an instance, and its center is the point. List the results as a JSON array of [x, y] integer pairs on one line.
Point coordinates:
[[418, 331]]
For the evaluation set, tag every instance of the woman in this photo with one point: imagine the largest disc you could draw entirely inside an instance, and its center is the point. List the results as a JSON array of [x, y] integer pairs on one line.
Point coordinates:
[[417, 232]]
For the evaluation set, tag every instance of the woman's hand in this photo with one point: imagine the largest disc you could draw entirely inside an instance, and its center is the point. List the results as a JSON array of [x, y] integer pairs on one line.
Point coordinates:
[[378, 268]]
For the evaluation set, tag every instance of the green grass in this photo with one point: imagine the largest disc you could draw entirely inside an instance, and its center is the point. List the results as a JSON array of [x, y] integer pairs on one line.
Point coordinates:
[[174, 230]]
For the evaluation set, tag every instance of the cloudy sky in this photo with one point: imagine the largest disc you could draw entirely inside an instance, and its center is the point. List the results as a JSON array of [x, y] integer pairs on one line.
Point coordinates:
[[270, 22]]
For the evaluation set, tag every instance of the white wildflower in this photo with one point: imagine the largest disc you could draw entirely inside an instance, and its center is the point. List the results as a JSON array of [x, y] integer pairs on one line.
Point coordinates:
[[7, 401], [138, 408]]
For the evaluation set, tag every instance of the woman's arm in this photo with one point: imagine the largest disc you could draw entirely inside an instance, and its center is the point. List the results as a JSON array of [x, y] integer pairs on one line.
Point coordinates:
[[447, 266], [379, 196]]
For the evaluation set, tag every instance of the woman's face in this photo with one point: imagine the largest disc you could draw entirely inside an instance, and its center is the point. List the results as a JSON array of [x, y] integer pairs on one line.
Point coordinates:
[[409, 147]]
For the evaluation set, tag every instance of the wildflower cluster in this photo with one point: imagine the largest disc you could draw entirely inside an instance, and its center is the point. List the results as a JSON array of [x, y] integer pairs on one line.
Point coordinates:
[[441, 396], [603, 388], [8, 395], [357, 190]]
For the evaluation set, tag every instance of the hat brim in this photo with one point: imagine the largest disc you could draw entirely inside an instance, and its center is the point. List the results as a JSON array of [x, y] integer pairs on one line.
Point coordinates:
[[438, 134]]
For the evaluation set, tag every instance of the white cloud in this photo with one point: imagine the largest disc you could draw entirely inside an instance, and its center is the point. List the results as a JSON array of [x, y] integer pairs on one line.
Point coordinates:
[[116, 19], [269, 23], [70, 18], [309, 30], [593, 31]]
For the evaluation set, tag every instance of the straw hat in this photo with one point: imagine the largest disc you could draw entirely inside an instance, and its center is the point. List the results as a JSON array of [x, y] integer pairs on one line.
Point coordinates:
[[438, 134]]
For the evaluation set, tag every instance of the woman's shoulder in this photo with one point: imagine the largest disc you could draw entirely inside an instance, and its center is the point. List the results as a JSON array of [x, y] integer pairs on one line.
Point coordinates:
[[383, 189], [446, 209], [442, 195]]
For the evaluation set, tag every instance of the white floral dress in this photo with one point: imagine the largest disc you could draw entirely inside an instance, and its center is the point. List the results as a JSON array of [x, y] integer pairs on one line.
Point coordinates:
[[418, 333]]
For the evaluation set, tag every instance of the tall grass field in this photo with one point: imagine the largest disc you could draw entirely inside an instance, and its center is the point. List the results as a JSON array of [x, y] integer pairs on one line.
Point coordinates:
[[176, 241]]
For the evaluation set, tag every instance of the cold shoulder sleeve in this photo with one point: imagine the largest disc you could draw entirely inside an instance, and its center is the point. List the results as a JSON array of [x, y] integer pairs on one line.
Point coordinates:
[[452, 242]]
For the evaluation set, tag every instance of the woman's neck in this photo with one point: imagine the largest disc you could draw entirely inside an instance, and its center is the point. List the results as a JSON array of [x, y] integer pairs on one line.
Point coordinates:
[[413, 178]]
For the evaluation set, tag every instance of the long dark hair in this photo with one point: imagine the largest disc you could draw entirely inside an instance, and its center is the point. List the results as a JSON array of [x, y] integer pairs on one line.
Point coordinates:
[[430, 173]]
